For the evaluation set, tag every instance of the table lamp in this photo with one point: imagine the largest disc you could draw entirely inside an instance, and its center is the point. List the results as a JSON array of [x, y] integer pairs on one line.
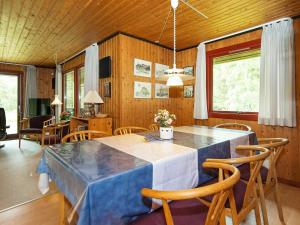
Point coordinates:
[[55, 102], [92, 97]]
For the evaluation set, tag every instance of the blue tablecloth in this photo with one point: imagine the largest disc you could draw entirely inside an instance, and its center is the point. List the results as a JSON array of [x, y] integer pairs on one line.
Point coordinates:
[[110, 180]]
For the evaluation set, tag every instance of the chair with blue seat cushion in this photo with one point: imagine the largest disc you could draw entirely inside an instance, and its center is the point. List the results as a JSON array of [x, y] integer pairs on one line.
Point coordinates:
[[185, 207], [244, 197]]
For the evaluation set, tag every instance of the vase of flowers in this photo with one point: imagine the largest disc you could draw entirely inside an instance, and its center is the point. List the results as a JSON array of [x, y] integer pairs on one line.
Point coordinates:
[[164, 119], [65, 115]]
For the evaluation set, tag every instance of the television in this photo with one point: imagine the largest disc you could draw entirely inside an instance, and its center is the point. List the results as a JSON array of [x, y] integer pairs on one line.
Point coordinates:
[[105, 67], [39, 107]]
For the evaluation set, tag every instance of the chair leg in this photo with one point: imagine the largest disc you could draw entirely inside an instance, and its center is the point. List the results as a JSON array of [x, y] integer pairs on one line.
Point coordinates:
[[222, 218], [278, 204], [262, 201], [257, 214], [19, 140]]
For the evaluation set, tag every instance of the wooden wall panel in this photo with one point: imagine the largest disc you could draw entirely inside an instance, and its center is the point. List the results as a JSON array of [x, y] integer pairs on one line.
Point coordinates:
[[140, 112], [111, 104], [289, 163], [44, 83]]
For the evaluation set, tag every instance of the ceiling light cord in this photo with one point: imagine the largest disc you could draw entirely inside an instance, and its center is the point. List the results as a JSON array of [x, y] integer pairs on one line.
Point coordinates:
[[174, 39]]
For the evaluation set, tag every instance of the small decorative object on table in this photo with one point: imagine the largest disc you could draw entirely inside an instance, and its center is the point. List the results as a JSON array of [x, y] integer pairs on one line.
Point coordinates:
[[164, 119], [65, 115]]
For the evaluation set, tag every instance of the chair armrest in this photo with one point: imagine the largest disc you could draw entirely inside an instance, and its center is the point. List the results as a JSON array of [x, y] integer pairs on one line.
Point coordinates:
[[24, 123]]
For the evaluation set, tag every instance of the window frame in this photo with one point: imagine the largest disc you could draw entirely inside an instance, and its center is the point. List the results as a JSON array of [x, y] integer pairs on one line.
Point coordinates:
[[76, 87], [210, 55]]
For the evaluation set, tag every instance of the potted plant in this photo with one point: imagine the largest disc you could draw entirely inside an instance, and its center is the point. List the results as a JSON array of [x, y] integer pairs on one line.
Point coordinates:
[[65, 115], [164, 119]]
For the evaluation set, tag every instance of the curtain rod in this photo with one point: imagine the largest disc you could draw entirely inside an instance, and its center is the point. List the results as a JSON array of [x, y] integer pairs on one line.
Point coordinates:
[[16, 64], [245, 30]]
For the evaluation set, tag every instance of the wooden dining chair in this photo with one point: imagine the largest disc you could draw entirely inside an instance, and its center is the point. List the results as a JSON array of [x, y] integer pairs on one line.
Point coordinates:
[[244, 197], [53, 133], [83, 135], [269, 175], [129, 130], [185, 208], [153, 126], [234, 126]]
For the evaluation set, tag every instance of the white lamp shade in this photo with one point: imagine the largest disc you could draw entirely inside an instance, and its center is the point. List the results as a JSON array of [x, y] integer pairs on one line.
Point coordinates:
[[174, 4], [92, 97], [174, 81], [56, 101]]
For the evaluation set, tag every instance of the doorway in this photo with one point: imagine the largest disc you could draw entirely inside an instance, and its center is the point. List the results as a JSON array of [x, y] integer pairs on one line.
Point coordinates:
[[10, 100]]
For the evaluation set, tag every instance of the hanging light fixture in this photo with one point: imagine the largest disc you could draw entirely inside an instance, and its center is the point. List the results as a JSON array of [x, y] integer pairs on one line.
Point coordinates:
[[175, 76]]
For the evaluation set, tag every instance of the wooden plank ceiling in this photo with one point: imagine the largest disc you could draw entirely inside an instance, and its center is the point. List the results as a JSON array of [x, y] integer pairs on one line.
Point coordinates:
[[33, 31]]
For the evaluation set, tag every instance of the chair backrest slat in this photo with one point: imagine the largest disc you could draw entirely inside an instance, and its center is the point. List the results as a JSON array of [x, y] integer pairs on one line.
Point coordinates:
[[234, 126], [129, 130], [83, 135], [219, 190]]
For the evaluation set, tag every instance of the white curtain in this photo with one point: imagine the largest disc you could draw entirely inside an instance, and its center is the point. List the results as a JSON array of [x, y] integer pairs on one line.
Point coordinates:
[[58, 90], [277, 76], [91, 66], [200, 102], [30, 87]]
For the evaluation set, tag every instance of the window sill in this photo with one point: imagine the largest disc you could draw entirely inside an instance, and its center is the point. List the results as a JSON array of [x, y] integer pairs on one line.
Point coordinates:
[[234, 115]]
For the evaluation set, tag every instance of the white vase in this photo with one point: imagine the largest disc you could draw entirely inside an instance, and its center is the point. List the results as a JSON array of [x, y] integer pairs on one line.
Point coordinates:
[[166, 133]]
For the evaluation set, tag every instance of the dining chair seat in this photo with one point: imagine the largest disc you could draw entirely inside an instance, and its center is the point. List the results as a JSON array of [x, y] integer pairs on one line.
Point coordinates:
[[245, 172], [191, 212], [239, 190]]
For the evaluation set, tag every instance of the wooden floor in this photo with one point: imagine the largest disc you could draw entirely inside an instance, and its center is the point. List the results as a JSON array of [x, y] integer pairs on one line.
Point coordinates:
[[48, 210], [19, 181]]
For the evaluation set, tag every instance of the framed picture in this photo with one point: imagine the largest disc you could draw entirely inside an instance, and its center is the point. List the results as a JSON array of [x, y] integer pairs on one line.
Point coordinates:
[[142, 68], [160, 69], [189, 70], [161, 91], [142, 89], [188, 91], [107, 89]]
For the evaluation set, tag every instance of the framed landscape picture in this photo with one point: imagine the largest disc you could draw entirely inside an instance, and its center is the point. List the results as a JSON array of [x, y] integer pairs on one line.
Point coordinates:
[[188, 91], [161, 91], [189, 70], [160, 69], [142, 68], [142, 89]]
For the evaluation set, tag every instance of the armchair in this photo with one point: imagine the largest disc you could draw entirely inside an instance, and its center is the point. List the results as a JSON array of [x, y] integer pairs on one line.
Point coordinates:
[[32, 126]]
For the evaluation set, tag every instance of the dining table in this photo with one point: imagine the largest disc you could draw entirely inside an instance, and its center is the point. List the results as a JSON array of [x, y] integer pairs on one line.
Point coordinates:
[[103, 178]]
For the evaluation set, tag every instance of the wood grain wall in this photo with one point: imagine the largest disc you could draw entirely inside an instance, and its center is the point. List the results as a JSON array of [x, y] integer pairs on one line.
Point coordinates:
[[289, 163]]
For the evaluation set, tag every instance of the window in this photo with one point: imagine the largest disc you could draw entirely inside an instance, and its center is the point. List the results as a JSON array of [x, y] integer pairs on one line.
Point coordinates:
[[74, 90], [233, 81], [80, 88], [69, 92]]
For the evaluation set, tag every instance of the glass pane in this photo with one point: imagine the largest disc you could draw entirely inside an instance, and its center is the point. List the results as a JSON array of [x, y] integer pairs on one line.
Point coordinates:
[[9, 101], [80, 88], [69, 92], [236, 82]]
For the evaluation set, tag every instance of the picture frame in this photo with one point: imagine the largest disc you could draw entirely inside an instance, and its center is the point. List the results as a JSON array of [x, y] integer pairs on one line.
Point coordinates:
[[188, 91], [160, 70], [161, 91], [188, 70], [142, 68], [107, 89], [142, 89]]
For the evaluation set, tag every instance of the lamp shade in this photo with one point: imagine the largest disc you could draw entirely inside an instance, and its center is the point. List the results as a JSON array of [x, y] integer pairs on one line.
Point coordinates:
[[174, 81], [56, 101], [92, 97]]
